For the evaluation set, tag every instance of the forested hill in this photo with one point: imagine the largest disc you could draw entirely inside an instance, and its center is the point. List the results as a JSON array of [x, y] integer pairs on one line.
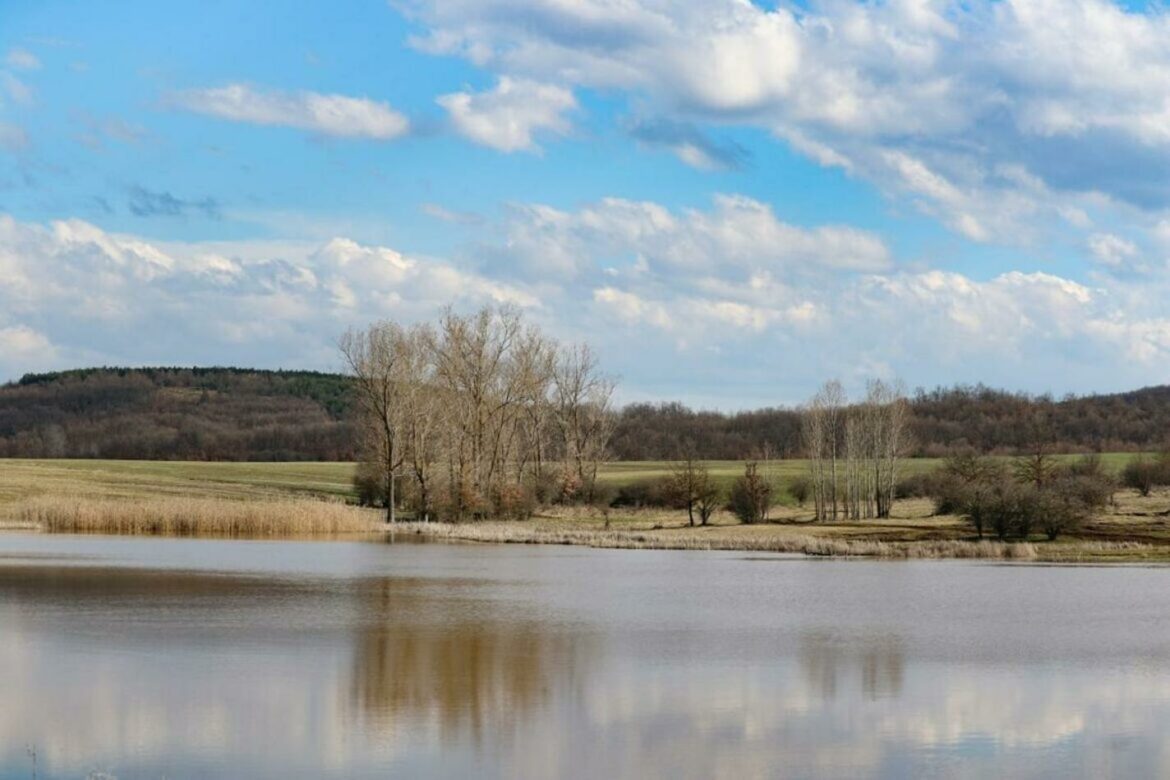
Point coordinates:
[[944, 421], [177, 414], [243, 414]]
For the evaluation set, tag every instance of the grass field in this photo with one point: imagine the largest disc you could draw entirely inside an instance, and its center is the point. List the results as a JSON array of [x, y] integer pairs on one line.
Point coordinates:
[[134, 478], [162, 497]]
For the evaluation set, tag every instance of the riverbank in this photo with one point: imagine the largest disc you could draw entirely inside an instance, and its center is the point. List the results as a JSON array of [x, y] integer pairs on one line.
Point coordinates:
[[911, 534], [308, 500]]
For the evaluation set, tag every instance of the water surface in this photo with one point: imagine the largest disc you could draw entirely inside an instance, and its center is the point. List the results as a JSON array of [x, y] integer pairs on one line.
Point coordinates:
[[191, 658]]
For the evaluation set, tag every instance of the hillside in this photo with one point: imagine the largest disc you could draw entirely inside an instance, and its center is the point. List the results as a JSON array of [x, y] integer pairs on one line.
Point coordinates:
[[177, 414], [244, 414], [945, 420]]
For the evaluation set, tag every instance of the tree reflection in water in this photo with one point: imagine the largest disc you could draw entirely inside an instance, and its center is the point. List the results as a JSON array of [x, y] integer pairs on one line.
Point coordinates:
[[878, 663], [457, 665]]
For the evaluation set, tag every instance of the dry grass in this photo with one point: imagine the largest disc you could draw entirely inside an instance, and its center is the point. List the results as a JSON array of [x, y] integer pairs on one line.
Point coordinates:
[[192, 517], [718, 538]]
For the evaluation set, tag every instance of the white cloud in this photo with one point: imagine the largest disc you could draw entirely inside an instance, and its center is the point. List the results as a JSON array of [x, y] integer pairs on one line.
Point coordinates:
[[22, 59], [332, 115], [767, 309], [20, 344], [101, 296], [991, 116], [507, 117], [738, 235], [1112, 251]]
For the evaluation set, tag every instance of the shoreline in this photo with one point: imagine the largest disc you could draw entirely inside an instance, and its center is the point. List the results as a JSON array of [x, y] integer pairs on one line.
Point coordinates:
[[698, 539], [778, 538]]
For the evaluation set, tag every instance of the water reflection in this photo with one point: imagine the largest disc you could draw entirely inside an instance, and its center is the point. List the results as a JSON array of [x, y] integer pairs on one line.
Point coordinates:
[[484, 662], [467, 671], [876, 665]]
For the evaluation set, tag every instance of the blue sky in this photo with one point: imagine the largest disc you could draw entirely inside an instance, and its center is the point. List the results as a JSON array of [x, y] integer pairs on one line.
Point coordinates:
[[733, 202]]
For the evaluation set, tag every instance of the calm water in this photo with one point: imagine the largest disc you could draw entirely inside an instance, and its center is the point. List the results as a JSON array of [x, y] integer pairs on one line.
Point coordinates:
[[175, 658]]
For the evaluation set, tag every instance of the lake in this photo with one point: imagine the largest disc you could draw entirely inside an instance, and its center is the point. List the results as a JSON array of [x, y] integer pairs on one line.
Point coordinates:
[[150, 658]]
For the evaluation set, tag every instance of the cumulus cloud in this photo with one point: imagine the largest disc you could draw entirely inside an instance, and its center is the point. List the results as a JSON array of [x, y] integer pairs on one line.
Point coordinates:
[[1002, 119], [107, 297], [508, 116], [20, 344], [339, 116], [1113, 252], [764, 308], [737, 235]]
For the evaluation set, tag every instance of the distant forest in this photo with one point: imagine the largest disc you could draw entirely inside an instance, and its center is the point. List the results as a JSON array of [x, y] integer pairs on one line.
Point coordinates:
[[244, 414]]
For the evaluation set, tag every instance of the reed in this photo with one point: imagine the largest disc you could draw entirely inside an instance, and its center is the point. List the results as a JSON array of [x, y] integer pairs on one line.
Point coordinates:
[[516, 533], [182, 516]]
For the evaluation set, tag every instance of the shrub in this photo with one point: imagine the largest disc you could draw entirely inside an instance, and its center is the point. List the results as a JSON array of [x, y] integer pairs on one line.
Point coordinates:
[[751, 496], [1093, 491], [513, 501], [546, 487], [950, 494], [644, 493], [922, 485], [1063, 513], [1143, 474], [370, 484], [1010, 509], [800, 489]]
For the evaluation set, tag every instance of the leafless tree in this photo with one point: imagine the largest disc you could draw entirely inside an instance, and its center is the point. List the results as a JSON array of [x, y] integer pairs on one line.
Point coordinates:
[[375, 357], [474, 409], [582, 398], [853, 450]]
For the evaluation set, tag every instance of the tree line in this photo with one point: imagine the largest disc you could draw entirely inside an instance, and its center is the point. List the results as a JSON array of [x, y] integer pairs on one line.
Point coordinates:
[[477, 415], [245, 414]]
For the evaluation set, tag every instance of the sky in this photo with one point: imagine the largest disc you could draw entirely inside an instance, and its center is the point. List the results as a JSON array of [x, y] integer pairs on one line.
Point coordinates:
[[732, 202]]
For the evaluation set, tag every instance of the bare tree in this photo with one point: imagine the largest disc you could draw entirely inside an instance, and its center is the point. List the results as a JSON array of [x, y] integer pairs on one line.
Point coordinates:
[[707, 496], [853, 450], [473, 410], [824, 434], [582, 398], [471, 358], [688, 480], [375, 358]]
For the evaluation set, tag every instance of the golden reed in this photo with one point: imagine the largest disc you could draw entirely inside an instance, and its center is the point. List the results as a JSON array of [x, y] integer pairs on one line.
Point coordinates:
[[175, 516]]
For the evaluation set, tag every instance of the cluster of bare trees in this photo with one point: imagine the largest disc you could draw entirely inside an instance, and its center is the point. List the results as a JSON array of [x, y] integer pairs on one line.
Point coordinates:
[[477, 415], [853, 449]]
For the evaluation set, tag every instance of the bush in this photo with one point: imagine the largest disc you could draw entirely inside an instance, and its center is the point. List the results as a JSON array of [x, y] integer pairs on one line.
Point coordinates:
[[513, 501], [800, 489], [1143, 474], [1093, 491], [751, 496], [546, 487], [645, 493], [370, 485], [922, 485], [1013, 510], [1063, 513], [951, 494]]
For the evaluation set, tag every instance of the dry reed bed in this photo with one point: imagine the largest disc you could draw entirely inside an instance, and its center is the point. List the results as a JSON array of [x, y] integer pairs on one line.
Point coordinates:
[[642, 540], [173, 516]]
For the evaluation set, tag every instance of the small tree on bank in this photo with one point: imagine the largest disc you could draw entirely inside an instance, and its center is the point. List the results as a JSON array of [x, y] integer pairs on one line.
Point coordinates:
[[687, 480], [751, 496]]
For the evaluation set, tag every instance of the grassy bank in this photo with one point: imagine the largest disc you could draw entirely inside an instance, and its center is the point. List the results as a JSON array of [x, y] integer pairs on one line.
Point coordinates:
[[298, 499]]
